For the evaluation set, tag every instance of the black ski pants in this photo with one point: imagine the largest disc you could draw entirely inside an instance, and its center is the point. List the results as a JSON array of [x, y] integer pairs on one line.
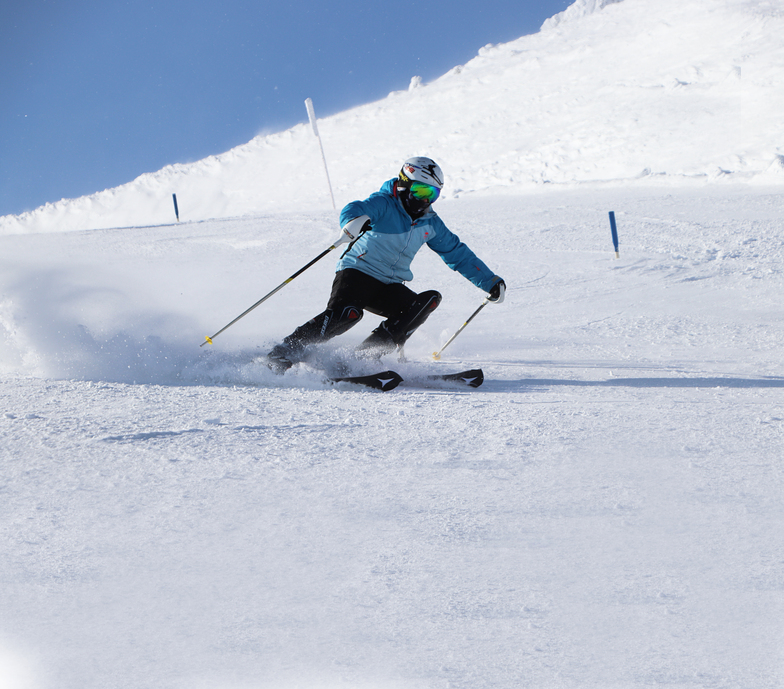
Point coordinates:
[[354, 292], [352, 287]]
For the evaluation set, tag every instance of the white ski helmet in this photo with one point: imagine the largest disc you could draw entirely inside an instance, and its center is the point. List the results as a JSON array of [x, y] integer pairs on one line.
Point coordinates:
[[424, 170]]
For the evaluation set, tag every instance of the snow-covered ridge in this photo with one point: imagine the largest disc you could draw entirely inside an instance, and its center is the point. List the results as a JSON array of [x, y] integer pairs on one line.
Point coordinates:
[[576, 10], [643, 91]]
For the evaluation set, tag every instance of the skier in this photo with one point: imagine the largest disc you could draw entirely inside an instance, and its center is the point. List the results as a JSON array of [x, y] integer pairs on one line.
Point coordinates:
[[384, 233]]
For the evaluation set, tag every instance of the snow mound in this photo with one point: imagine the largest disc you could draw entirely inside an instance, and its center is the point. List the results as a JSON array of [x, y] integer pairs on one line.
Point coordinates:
[[578, 9]]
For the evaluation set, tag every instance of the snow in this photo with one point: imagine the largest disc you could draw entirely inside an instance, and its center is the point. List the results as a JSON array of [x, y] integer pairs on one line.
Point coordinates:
[[605, 511]]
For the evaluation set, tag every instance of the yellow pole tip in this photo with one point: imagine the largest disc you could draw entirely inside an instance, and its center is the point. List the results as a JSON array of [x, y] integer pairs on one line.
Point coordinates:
[[436, 356], [209, 339]]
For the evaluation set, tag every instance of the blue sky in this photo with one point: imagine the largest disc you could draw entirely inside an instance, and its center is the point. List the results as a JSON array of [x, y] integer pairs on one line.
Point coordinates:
[[95, 93]]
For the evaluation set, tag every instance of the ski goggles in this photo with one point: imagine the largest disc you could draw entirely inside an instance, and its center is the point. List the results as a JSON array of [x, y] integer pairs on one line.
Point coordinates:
[[424, 192]]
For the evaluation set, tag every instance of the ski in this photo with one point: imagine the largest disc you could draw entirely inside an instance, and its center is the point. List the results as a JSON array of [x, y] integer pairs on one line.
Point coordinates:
[[389, 380], [473, 378], [386, 380]]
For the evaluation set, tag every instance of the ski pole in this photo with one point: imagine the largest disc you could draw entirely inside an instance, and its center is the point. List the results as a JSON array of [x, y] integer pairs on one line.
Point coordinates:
[[437, 355], [264, 298]]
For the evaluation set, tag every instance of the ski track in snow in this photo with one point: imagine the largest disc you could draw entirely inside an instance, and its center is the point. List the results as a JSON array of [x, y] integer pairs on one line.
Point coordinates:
[[604, 512]]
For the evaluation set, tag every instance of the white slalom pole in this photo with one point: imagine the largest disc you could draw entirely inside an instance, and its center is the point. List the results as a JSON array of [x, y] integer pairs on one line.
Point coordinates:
[[312, 118]]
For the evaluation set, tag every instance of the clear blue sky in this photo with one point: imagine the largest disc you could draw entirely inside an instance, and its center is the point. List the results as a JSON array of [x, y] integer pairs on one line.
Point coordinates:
[[94, 93]]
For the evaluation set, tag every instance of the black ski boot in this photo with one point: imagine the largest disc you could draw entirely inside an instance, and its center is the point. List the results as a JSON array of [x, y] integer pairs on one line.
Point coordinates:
[[280, 359], [393, 333], [323, 327], [377, 344]]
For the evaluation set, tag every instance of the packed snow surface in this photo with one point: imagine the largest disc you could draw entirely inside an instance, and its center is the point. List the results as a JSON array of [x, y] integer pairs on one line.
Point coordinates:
[[604, 512]]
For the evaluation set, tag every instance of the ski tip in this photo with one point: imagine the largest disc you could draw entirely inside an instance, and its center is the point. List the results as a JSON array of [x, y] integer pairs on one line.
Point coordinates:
[[475, 378], [389, 380], [472, 378]]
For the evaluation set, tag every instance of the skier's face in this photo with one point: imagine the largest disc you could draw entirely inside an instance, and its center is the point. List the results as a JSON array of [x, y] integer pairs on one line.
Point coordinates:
[[415, 207]]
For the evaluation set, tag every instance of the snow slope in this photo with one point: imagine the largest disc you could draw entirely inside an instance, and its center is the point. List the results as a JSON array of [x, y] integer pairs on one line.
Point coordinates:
[[605, 512]]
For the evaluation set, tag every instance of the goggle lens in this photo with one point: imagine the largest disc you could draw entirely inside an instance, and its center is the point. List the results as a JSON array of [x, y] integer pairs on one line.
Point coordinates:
[[424, 192]]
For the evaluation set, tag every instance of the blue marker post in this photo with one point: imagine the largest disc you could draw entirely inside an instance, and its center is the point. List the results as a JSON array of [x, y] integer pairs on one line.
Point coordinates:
[[614, 234], [176, 210]]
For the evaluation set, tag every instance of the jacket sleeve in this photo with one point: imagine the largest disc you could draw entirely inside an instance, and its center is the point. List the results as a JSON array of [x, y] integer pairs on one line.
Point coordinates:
[[377, 207], [460, 258]]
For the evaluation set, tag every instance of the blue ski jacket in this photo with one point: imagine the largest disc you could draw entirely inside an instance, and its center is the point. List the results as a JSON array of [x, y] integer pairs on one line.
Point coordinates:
[[386, 250]]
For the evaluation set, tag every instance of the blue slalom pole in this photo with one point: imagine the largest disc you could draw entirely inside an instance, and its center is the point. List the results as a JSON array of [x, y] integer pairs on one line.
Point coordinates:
[[614, 233], [176, 210]]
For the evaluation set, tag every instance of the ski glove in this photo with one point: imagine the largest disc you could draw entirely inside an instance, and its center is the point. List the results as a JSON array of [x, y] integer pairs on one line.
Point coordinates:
[[497, 292], [352, 229]]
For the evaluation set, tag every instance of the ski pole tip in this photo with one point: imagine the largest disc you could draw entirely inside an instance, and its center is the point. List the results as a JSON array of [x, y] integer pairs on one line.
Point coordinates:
[[436, 356], [208, 340]]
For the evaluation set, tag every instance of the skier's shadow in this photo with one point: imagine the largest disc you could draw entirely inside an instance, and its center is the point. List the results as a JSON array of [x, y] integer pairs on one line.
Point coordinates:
[[685, 383]]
